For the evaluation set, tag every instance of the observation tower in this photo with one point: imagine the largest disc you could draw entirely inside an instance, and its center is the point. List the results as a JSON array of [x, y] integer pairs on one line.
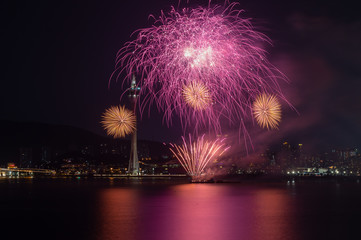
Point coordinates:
[[133, 168]]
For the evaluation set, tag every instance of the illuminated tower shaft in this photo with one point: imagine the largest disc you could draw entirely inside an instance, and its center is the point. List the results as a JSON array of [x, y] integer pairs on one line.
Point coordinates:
[[133, 167]]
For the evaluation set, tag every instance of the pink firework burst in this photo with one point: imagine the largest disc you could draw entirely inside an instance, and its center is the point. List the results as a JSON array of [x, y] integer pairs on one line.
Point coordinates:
[[213, 46]]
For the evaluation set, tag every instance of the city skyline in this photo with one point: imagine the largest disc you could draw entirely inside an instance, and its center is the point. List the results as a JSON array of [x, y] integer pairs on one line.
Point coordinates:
[[66, 148]]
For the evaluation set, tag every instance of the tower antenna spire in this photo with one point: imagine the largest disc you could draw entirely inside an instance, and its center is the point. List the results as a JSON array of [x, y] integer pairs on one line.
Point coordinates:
[[133, 167]]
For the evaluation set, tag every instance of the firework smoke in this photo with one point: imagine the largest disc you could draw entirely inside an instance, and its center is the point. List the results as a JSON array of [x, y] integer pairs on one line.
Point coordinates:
[[118, 121]]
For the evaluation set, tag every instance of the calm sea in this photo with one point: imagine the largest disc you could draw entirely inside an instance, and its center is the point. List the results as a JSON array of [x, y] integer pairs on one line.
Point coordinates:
[[103, 209]]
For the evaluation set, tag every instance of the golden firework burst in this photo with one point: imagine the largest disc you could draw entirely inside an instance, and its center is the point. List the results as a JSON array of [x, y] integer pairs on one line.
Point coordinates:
[[267, 111], [197, 95], [118, 121]]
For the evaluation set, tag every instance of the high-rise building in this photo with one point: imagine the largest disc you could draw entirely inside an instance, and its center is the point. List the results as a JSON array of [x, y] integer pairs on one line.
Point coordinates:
[[45, 157], [26, 157]]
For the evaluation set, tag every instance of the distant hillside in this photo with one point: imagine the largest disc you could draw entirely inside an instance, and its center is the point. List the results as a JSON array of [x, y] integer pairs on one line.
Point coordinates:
[[34, 134], [65, 140]]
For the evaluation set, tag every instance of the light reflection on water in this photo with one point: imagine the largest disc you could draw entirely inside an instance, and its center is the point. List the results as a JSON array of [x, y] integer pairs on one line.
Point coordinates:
[[196, 211], [107, 209], [118, 213]]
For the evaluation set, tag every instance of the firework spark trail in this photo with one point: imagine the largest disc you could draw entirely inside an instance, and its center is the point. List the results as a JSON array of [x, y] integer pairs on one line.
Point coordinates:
[[211, 45], [118, 121], [195, 156], [267, 111]]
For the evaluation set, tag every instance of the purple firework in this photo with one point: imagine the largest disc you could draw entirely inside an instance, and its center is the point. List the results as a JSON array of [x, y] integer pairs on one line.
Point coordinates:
[[212, 46]]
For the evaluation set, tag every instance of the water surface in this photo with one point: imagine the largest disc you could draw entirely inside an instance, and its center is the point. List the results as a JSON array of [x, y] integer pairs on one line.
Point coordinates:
[[103, 209]]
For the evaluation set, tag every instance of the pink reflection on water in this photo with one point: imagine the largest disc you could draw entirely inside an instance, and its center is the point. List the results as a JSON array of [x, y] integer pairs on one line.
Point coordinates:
[[118, 214], [274, 212], [196, 211]]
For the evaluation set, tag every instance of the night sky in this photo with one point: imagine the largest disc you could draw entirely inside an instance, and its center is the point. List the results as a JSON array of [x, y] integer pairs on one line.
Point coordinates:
[[58, 57]]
